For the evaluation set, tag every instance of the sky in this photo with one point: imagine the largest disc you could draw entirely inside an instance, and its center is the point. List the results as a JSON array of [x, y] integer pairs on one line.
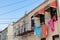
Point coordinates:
[[12, 10]]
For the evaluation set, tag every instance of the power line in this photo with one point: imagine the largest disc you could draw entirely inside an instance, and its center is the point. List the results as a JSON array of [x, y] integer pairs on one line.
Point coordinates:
[[13, 3], [19, 8], [4, 23], [8, 18]]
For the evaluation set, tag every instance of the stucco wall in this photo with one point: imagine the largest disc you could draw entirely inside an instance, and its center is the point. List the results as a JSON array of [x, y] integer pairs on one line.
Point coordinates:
[[10, 32]]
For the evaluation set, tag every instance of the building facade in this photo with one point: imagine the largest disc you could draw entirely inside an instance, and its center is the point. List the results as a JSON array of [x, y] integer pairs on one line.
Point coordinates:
[[4, 35], [23, 29], [10, 32], [0, 35], [46, 16]]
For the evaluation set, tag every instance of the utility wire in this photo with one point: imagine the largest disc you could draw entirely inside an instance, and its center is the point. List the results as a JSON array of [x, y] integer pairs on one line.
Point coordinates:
[[13, 3], [8, 18], [19, 8], [5, 23]]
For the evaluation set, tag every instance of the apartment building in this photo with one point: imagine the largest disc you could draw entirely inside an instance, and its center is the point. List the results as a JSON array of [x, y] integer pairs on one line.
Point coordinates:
[[10, 32], [46, 15], [0, 35], [4, 35]]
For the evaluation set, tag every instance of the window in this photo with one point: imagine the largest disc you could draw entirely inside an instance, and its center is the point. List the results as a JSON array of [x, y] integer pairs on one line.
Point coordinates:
[[22, 29], [6, 36], [14, 32], [43, 39], [24, 25], [32, 22], [18, 28], [55, 37], [42, 19], [53, 13]]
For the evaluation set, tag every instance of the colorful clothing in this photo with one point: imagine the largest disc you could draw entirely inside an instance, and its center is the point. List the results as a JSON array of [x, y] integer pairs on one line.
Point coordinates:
[[37, 30], [51, 24]]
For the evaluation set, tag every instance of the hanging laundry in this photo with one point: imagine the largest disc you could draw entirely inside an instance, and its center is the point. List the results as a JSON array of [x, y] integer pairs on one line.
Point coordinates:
[[44, 30], [51, 24], [54, 17], [37, 30]]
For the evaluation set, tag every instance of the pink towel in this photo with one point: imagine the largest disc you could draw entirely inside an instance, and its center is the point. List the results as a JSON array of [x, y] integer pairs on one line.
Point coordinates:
[[51, 24]]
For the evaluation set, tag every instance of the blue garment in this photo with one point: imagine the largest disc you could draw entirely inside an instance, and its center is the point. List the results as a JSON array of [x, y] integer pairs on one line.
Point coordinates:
[[37, 30]]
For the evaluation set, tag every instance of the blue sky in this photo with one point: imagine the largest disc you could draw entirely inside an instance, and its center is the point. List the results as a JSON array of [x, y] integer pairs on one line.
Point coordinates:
[[12, 10]]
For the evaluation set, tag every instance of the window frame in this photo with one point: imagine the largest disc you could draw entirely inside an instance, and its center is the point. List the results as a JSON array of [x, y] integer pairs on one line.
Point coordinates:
[[42, 19], [55, 36]]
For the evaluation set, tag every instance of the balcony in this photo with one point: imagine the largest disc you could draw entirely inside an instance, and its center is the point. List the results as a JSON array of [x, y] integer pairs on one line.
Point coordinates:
[[24, 33]]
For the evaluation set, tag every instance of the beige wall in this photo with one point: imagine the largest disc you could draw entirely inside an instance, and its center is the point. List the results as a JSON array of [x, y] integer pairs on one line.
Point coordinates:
[[10, 32]]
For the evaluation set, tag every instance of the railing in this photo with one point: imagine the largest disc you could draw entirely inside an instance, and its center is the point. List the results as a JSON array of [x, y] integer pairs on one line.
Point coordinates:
[[17, 32], [24, 33]]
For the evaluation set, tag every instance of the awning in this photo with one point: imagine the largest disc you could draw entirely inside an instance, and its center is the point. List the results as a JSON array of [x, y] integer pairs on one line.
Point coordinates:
[[36, 14], [47, 8], [41, 11], [53, 4]]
